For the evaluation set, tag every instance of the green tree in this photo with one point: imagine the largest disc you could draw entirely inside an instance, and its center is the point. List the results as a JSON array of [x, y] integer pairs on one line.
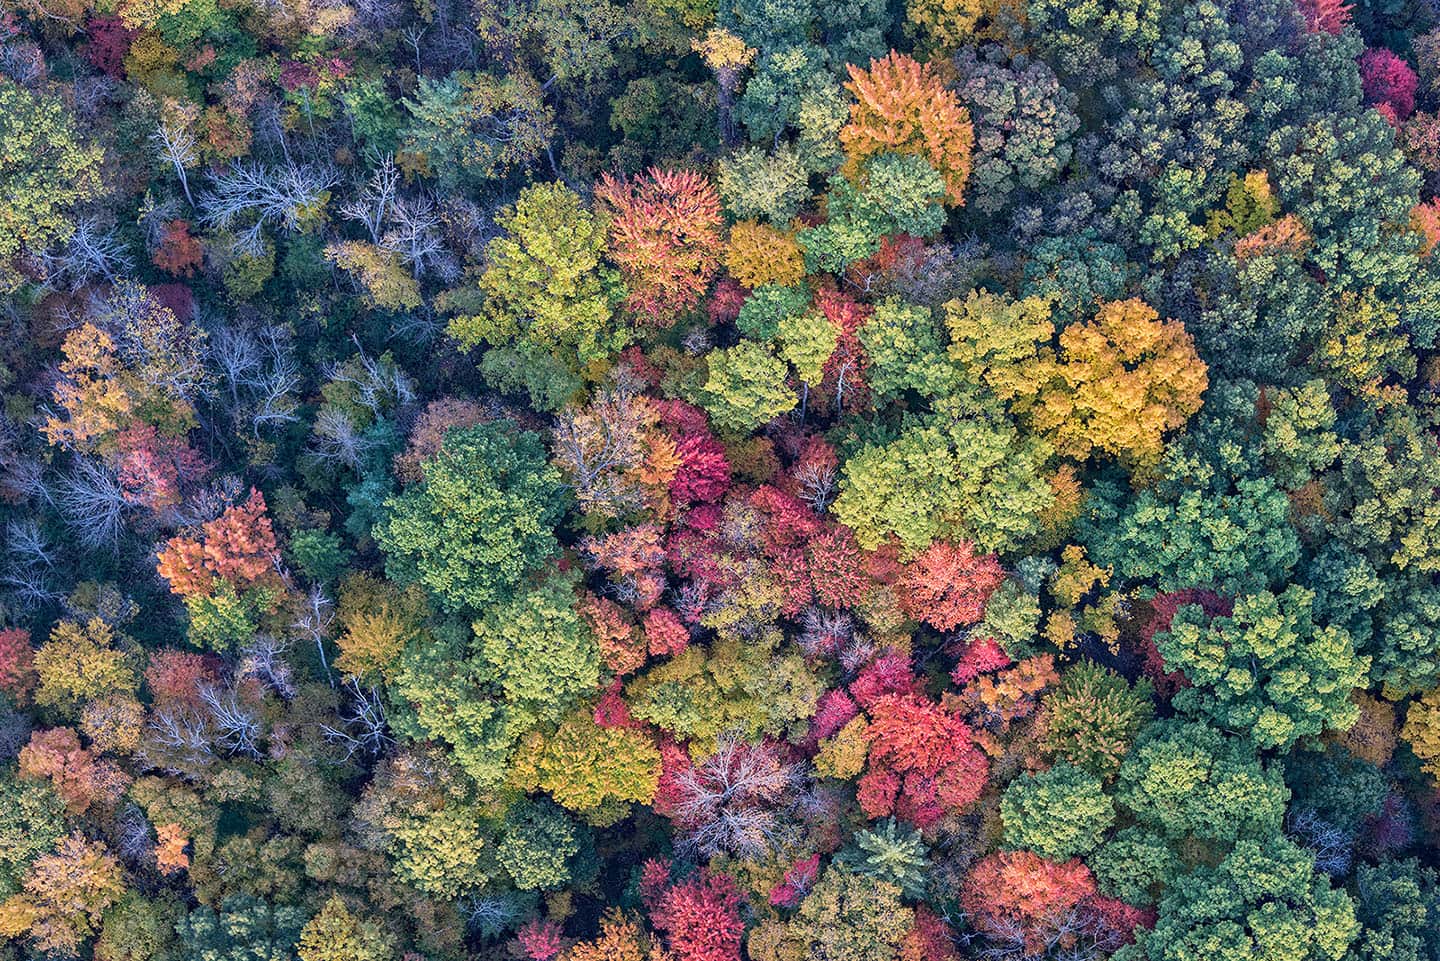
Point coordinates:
[[243, 929], [1059, 814], [845, 917], [1093, 717], [45, 170], [336, 934], [31, 822], [482, 518], [544, 281], [1267, 669], [890, 854], [1263, 900], [746, 387], [537, 845]]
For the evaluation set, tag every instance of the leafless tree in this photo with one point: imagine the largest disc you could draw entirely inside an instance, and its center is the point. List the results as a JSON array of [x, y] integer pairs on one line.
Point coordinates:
[[371, 206], [817, 485], [823, 631], [278, 196], [1334, 848], [176, 144], [92, 502], [728, 802], [315, 622], [28, 566], [378, 386], [235, 726], [415, 234], [177, 741], [363, 728], [133, 839], [264, 659], [90, 253], [259, 375]]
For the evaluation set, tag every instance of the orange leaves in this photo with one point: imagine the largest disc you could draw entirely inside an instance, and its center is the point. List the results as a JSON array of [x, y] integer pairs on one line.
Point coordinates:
[[238, 546], [170, 856], [665, 236], [65, 896], [1012, 889], [79, 778], [947, 585], [902, 106]]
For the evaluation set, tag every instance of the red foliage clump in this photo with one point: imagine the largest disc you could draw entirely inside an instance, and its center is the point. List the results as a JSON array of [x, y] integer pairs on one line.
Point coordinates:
[[1163, 608], [834, 711], [17, 664], [923, 761], [665, 235], [798, 880], [665, 633], [929, 939], [539, 940], [154, 468], [1389, 83], [701, 918], [837, 567], [175, 677], [79, 777], [843, 387], [107, 44], [726, 300], [704, 472], [948, 585], [886, 675], [1329, 16], [238, 546], [979, 656], [179, 253], [1012, 892]]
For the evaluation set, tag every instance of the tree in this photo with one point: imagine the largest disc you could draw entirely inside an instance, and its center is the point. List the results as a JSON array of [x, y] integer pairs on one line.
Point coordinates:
[[537, 846], [665, 236], [585, 766], [701, 918], [947, 585], [1186, 779], [890, 854], [1267, 668], [335, 934], [31, 823], [46, 171], [473, 126], [65, 896], [544, 281], [1422, 731], [903, 106], [1119, 384], [1059, 814], [481, 519], [1262, 899], [1094, 716], [78, 664], [243, 927], [845, 917], [746, 387], [80, 779], [1019, 896], [237, 549]]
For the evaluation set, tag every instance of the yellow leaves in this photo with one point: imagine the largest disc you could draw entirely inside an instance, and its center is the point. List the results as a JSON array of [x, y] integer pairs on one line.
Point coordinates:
[[842, 756], [904, 107], [96, 399], [380, 272], [723, 50], [1120, 382], [1422, 732], [78, 664], [759, 254]]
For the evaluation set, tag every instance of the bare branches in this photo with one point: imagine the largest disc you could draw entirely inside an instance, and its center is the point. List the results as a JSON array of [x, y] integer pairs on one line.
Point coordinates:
[[90, 254], [259, 375], [280, 196], [727, 803], [92, 502], [176, 144], [363, 728]]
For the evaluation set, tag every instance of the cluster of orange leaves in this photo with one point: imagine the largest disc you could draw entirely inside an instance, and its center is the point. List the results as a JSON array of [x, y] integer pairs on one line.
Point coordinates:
[[903, 106], [238, 546]]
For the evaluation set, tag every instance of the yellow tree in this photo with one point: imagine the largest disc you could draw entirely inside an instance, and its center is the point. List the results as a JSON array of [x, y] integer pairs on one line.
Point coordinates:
[[1119, 383], [65, 896]]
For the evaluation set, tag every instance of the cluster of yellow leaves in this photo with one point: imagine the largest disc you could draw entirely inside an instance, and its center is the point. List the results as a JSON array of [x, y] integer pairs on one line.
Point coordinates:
[[759, 254], [1119, 383], [388, 285], [723, 50], [903, 107], [79, 664], [65, 896], [377, 619], [1422, 732], [98, 402]]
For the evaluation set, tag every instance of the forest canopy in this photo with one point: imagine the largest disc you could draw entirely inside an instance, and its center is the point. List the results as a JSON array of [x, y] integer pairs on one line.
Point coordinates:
[[719, 480]]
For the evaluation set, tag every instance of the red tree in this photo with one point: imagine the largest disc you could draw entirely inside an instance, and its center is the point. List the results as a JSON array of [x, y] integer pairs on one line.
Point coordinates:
[[17, 664], [1020, 895], [238, 546], [1329, 16], [701, 918], [1389, 83], [948, 585]]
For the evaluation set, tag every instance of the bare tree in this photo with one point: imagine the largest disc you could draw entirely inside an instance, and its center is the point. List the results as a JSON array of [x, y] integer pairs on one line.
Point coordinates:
[[279, 196], [259, 375], [414, 233], [363, 728], [235, 726], [264, 659], [90, 253], [28, 567], [817, 485], [316, 619], [727, 803], [372, 206], [175, 143], [92, 502]]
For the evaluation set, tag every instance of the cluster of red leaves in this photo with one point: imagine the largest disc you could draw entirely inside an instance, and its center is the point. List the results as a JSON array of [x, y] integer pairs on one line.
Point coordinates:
[[178, 253], [539, 940], [1019, 892], [923, 761], [176, 677], [107, 43], [1329, 16], [154, 469], [665, 235], [843, 388], [700, 917], [948, 585], [238, 547], [1389, 83], [79, 777], [17, 664], [799, 879]]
